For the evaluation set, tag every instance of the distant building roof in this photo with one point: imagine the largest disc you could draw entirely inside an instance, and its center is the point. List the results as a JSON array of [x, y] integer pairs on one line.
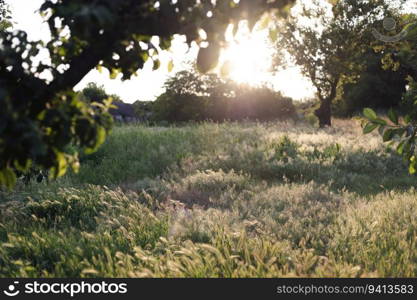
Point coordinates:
[[123, 109]]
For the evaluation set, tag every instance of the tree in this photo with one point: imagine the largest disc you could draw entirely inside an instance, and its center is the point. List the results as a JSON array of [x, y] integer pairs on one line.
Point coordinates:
[[328, 48], [374, 87], [402, 55], [94, 93], [42, 117]]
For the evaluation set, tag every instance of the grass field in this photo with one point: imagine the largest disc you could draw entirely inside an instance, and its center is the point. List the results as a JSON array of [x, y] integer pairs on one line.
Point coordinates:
[[229, 200]]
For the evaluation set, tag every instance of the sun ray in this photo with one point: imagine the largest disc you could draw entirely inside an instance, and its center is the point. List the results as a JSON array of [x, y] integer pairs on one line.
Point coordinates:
[[249, 57]]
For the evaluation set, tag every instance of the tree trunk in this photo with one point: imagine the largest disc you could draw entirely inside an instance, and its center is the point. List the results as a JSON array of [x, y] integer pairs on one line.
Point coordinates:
[[324, 113]]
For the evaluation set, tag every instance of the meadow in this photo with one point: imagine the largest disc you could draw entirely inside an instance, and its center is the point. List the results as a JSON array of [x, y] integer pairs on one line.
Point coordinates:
[[219, 200]]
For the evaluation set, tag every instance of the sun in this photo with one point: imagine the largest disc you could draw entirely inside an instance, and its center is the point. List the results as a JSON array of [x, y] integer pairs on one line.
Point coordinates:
[[248, 57]]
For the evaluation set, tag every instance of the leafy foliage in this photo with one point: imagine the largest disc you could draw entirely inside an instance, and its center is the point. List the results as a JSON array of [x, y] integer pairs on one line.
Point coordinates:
[[333, 53], [402, 55], [96, 93], [403, 133], [40, 118]]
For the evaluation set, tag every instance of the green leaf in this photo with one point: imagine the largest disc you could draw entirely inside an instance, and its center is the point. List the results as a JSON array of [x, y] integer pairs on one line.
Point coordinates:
[[393, 116], [165, 43], [170, 66], [75, 166], [388, 135], [99, 140], [114, 72], [101, 136], [400, 147], [369, 128], [60, 167], [369, 113], [273, 35], [264, 22], [407, 148], [380, 122], [413, 164]]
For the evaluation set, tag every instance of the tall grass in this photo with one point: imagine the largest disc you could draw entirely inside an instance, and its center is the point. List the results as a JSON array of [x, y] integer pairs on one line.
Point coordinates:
[[210, 200]]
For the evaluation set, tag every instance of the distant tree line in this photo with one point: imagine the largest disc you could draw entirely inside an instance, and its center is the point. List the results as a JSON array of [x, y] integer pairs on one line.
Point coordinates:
[[97, 93], [375, 87], [191, 96]]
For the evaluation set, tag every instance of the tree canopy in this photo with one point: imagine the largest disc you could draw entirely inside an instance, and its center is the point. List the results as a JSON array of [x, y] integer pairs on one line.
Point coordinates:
[[329, 47], [375, 86], [401, 132], [40, 118]]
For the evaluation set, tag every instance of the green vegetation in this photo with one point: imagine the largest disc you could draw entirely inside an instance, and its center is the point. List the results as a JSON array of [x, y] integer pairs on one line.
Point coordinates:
[[199, 199], [375, 87], [228, 200], [191, 96], [343, 60]]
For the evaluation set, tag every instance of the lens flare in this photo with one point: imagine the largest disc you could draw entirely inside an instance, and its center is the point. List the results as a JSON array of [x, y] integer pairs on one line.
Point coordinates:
[[249, 58]]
